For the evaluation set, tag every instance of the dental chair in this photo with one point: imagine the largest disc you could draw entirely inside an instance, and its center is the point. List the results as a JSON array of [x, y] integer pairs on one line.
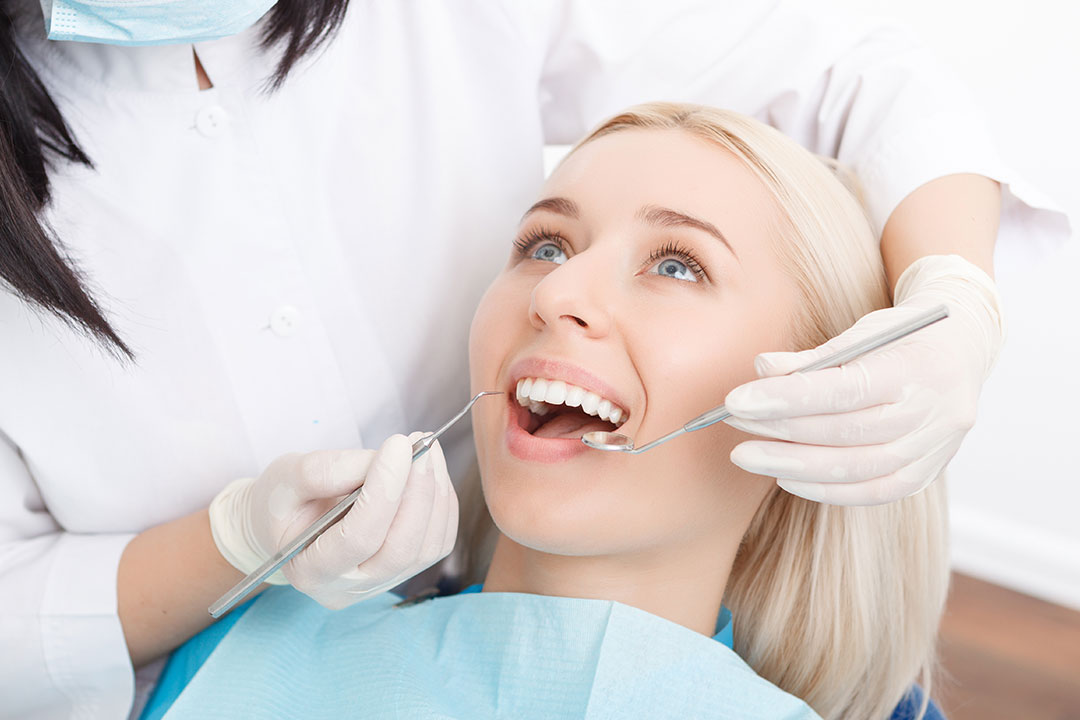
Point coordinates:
[[908, 708]]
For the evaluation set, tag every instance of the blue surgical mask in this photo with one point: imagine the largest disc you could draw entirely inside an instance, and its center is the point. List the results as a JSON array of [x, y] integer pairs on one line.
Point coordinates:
[[149, 22]]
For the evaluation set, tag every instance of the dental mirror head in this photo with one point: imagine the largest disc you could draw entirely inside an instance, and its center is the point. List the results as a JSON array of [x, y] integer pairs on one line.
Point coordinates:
[[617, 442], [607, 441]]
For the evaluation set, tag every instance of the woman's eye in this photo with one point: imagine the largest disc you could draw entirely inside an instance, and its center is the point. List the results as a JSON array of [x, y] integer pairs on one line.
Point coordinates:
[[549, 252], [672, 268]]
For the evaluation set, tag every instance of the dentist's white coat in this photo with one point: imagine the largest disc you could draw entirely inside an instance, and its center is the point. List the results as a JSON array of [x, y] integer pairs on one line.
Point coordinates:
[[298, 270]]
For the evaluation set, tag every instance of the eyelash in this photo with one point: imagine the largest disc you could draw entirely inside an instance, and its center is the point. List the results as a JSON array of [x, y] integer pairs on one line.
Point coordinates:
[[671, 248], [526, 242]]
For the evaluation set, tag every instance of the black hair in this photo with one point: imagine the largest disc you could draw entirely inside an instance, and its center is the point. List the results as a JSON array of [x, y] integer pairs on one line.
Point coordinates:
[[34, 135]]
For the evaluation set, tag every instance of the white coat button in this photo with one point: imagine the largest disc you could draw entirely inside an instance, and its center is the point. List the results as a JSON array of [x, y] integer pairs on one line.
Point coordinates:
[[211, 121], [285, 321]]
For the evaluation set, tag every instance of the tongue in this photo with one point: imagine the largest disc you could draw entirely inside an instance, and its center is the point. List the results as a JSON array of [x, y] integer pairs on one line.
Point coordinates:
[[572, 425]]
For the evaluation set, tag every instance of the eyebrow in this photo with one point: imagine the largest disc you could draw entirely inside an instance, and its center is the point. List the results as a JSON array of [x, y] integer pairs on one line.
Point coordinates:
[[560, 205], [650, 214], [666, 217]]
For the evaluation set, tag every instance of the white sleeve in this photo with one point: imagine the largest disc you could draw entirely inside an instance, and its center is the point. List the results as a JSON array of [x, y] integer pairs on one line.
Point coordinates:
[[64, 654], [863, 91]]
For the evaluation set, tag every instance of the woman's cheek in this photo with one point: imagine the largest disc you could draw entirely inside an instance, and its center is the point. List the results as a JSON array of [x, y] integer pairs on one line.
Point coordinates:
[[485, 325], [703, 361]]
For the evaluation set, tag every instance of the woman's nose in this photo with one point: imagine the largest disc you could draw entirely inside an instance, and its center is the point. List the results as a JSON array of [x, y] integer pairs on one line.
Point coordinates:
[[573, 297]]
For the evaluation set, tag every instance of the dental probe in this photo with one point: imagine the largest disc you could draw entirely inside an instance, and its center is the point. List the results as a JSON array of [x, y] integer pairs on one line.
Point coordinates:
[[621, 443], [257, 576]]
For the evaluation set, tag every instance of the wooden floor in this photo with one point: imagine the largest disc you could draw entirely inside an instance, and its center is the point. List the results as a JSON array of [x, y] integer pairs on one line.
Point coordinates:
[[1005, 655]]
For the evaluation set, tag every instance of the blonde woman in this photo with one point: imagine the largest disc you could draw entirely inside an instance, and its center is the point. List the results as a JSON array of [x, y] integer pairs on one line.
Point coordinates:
[[673, 245]]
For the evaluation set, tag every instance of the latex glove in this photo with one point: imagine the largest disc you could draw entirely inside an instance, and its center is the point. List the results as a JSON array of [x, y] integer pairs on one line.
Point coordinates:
[[884, 426], [404, 520]]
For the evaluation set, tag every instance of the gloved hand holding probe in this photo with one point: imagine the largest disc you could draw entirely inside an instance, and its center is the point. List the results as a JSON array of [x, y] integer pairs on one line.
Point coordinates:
[[404, 521], [884, 426]]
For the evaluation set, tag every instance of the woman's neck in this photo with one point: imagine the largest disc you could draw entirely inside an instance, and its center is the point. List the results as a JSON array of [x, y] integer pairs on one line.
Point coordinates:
[[683, 584]]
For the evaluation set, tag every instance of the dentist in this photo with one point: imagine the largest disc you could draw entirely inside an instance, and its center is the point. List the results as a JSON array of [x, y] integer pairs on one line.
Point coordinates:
[[272, 224]]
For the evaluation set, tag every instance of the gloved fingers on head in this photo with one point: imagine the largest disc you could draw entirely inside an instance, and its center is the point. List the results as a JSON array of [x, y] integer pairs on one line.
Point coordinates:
[[903, 483], [771, 364], [818, 464], [869, 381], [868, 426]]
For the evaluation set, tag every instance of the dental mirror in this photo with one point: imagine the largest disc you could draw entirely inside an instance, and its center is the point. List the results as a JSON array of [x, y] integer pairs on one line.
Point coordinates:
[[617, 442], [608, 441]]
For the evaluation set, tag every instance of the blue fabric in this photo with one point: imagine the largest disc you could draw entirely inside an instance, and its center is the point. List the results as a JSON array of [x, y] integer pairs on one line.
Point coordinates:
[[477, 655], [123, 22], [186, 661], [725, 628]]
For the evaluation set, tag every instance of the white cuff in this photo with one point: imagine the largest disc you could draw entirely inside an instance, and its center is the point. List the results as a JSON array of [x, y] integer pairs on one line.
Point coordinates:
[[965, 287], [932, 268], [82, 639]]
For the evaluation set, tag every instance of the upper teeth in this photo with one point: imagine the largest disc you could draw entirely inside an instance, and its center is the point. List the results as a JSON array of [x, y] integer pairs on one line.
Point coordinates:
[[535, 392]]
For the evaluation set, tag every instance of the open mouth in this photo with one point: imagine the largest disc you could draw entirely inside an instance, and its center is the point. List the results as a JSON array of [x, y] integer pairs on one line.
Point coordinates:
[[557, 409]]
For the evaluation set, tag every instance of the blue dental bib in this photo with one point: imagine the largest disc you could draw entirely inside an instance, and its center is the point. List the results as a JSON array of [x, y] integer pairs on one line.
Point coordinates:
[[472, 656]]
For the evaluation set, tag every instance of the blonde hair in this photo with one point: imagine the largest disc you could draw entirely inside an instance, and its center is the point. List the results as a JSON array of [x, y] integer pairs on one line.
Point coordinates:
[[839, 606]]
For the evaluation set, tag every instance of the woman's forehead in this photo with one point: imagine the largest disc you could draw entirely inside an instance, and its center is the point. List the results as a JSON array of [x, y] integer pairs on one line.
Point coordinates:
[[616, 176]]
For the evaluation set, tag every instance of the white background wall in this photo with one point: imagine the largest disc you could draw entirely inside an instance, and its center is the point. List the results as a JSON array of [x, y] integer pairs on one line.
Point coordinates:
[[1015, 485]]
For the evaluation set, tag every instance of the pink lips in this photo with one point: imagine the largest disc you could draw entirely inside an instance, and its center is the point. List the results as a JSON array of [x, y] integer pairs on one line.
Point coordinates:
[[524, 446]]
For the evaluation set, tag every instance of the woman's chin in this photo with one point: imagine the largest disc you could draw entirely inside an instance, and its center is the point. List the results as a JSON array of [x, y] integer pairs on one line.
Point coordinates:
[[549, 511], [544, 539]]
